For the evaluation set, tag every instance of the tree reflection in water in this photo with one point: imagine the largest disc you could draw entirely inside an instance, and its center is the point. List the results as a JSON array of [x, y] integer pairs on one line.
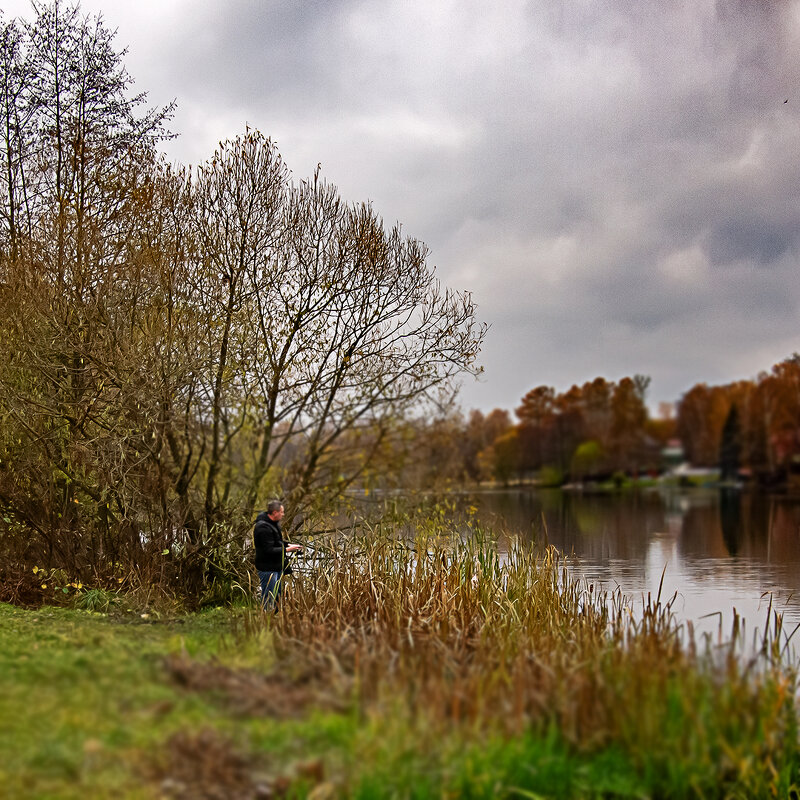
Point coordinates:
[[722, 549]]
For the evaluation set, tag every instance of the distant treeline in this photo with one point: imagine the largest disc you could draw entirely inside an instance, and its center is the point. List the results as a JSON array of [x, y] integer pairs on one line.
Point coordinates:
[[590, 431], [750, 430]]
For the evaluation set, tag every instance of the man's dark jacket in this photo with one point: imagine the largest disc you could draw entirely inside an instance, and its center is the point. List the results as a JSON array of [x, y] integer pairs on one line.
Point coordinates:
[[270, 546]]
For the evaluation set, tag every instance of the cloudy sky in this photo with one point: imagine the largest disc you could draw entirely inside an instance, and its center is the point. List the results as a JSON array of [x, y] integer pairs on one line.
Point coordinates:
[[617, 182]]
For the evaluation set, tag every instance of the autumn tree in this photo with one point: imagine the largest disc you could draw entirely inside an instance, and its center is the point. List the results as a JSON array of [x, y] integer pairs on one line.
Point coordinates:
[[629, 415], [779, 411], [16, 136], [597, 415], [536, 415], [69, 123], [730, 448], [76, 157], [480, 434], [609, 418], [505, 455], [568, 428], [701, 416], [767, 412]]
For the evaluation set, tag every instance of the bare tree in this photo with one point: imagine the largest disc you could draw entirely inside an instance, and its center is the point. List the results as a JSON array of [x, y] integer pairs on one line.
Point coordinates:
[[313, 320], [337, 322], [238, 223], [16, 135]]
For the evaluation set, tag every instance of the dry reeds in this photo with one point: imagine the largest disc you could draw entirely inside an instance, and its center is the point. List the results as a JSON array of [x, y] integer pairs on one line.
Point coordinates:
[[461, 635]]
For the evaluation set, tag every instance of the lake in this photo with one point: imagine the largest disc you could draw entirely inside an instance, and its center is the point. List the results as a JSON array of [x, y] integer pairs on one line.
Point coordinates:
[[719, 550]]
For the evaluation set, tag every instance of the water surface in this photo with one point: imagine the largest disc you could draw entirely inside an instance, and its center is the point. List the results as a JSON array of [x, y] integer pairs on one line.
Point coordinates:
[[718, 550]]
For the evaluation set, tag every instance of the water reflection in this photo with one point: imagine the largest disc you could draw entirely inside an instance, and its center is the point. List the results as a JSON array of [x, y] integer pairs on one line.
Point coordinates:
[[719, 550]]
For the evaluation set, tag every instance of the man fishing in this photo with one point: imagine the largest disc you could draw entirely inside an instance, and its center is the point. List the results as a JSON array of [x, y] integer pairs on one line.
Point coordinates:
[[272, 554]]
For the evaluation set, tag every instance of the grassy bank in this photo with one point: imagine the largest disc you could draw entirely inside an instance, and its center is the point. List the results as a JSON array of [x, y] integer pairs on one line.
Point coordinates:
[[396, 669]]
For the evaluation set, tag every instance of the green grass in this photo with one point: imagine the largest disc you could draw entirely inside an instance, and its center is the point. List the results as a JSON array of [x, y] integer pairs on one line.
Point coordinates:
[[423, 669], [80, 692]]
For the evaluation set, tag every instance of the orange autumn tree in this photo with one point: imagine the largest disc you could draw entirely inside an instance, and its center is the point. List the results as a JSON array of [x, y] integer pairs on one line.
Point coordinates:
[[780, 413], [628, 418], [701, 416]]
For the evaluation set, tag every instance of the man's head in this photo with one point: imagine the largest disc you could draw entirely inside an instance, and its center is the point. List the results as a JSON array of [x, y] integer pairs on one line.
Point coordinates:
[[275, 510]]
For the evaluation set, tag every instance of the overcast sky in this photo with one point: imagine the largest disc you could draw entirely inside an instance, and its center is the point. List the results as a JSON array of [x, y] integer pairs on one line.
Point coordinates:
[[617, 182]]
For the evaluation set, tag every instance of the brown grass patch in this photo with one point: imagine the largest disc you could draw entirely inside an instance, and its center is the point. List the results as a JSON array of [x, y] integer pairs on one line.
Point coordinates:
[[208, 766], [282, 695], [204, 765]]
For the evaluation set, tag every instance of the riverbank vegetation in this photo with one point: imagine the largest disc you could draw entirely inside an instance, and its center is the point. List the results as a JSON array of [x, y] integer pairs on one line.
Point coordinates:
[[400, 666]]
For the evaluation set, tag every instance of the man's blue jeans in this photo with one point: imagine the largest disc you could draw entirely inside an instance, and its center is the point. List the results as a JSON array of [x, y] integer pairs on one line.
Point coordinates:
[[270, 589]]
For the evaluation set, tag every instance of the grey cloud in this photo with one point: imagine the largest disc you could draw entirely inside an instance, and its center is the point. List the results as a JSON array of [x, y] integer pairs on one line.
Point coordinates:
[[751, 239], [246, 52], [616, 182]]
